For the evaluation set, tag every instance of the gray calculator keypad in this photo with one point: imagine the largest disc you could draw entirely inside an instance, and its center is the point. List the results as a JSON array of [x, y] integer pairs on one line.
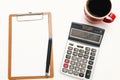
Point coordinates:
[[79, 60]]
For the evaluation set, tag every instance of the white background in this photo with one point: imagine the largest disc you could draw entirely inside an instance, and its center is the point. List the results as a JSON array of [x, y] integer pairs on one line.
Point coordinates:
[[63, 13]]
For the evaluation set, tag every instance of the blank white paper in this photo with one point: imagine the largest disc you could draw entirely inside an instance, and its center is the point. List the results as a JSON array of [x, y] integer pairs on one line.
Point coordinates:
[[29, 47]]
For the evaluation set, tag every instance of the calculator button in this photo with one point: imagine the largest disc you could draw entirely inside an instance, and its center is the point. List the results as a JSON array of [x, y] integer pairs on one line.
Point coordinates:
[[77, 68], [90, 62], [87, 49], [79, 59], [92, 54], [74, 58], [92, 58], [88, 73], [89, 67], [76, 49], [75, 73], [86, 52], [67, 61], [71, 67], [69, 52], [81, 51], [78, 63], [75, 53], [72, 62], [82, 70], [86, 56], [81, 74], [80, 55], [83, 65], [70, 48], [93, 50], [65, 65], [70, 71], [84, 60], [79, 46], [64, 70], [68, 56], [71, 44]]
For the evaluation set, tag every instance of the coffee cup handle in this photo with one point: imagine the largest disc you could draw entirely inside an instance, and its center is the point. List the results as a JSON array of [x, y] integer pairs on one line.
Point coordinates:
[[110, 18]]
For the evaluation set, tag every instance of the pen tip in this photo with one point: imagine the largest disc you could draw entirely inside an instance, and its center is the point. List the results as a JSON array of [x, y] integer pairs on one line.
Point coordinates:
[[46, 74]]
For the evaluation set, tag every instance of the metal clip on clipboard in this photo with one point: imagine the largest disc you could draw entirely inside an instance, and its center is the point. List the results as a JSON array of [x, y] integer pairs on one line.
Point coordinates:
[[23, 30], [30, 17]]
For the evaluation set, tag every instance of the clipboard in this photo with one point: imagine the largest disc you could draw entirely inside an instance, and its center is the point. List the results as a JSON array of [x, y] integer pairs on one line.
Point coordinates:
[[28, 46]]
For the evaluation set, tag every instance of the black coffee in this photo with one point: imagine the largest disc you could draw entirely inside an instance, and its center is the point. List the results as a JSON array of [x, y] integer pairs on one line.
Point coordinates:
[[99, 8]]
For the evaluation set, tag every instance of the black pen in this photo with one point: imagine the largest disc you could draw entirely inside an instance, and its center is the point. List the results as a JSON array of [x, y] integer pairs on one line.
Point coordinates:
[[48, 56]]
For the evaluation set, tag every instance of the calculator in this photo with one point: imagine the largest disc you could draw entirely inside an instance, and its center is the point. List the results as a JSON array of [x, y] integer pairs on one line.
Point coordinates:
[[81, 51]]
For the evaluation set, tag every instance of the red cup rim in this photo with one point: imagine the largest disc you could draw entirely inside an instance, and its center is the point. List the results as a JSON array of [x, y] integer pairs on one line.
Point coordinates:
[[93, 15]]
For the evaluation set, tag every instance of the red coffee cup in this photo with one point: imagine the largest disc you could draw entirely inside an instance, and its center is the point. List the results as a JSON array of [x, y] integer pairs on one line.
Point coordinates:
[[99, 10]]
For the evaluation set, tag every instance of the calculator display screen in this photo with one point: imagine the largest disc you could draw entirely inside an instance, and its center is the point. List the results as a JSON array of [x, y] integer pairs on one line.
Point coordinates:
[[85, 35]]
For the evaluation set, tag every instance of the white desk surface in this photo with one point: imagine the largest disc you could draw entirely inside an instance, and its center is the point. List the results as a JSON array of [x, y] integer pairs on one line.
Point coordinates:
[[63, 13]]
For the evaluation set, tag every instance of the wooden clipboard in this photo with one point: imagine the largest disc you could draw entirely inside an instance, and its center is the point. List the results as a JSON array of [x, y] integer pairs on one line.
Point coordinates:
[[11, 52]]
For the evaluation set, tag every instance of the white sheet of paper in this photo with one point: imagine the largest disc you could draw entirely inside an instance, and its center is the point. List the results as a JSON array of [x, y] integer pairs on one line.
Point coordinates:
[[29, 47]]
